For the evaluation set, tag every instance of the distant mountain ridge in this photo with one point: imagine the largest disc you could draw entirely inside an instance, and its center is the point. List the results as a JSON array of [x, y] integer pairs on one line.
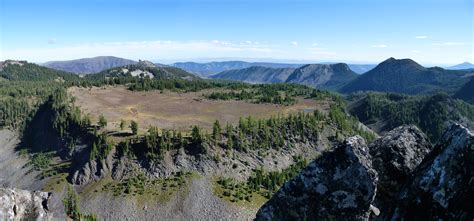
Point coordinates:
[[465, 65], [256, 74], [407, 77], [323, 76], [89, 65], [212, 68]]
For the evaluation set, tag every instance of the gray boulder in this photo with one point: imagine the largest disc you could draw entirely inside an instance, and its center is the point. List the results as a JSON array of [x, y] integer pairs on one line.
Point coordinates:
[[442, 187], [16, 204], [395, 156], [341, 185]]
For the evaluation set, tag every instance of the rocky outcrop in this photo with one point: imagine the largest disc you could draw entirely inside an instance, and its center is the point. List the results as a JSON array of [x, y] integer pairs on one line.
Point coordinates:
[[340, 184], [395, 156], [414, 180], [94, 170], [442, 187], [16, 204], [146, 64]]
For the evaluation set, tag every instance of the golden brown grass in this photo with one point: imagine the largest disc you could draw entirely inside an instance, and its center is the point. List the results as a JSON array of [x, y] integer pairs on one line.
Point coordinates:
[[171, 110]]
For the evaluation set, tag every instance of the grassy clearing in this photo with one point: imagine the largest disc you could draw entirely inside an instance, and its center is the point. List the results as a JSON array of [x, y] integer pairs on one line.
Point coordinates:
[[172, 110]]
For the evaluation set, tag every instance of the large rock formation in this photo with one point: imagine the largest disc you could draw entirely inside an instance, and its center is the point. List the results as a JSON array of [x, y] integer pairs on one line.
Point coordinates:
[[416, 181], [93, 170], [395, 156], [16, 204], [340, 184], [442, 187]]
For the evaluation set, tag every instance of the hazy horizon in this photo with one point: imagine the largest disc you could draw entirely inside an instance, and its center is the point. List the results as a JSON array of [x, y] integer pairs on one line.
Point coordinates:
[[364, 32], [254, 60]]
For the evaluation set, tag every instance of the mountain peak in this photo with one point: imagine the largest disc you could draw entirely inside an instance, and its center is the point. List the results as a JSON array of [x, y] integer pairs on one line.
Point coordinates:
[[405, 65], [464, 65], [405, 76]]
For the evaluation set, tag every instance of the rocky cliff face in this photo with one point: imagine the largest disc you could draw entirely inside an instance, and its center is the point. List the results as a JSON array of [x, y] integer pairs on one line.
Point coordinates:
[[93, 170], [341, 183], [414, 180], [16, 204]]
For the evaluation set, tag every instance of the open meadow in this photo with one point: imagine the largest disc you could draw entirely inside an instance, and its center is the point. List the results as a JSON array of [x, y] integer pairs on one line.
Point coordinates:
[[172, 110]]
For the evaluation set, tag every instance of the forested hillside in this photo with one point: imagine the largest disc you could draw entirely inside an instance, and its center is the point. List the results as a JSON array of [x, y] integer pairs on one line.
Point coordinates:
[[385, 111], [24, 71], [466, 93], [20, 100]]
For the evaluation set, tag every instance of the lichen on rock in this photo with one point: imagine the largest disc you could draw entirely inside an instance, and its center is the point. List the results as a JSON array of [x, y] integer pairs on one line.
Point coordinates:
[[341, 184]]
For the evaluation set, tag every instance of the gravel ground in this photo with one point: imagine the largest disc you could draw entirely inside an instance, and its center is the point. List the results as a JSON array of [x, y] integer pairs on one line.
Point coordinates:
[[202, 204], [14, 171], [196, 203]]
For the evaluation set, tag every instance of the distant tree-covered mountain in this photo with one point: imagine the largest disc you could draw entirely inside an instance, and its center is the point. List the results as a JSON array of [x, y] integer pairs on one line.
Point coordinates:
[[465, 65], [89, 65], [324, 76], [408, 77], [24, 71], [466, 93], [256, 74], [212, 68], [142, 69]]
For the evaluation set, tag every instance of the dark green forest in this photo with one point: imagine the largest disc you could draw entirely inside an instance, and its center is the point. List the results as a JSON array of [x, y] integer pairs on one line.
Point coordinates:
[[432, 114]]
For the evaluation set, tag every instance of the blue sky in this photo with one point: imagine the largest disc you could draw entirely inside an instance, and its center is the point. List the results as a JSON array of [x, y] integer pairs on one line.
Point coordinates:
[[365, 31]]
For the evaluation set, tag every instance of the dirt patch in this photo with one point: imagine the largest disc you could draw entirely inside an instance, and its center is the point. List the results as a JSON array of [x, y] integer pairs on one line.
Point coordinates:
[[171, 110]]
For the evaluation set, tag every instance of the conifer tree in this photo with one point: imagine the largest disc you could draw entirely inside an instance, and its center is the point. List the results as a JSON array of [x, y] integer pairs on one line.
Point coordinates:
[[134, 127], [216, 131], [102, 121], [122, 124]]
